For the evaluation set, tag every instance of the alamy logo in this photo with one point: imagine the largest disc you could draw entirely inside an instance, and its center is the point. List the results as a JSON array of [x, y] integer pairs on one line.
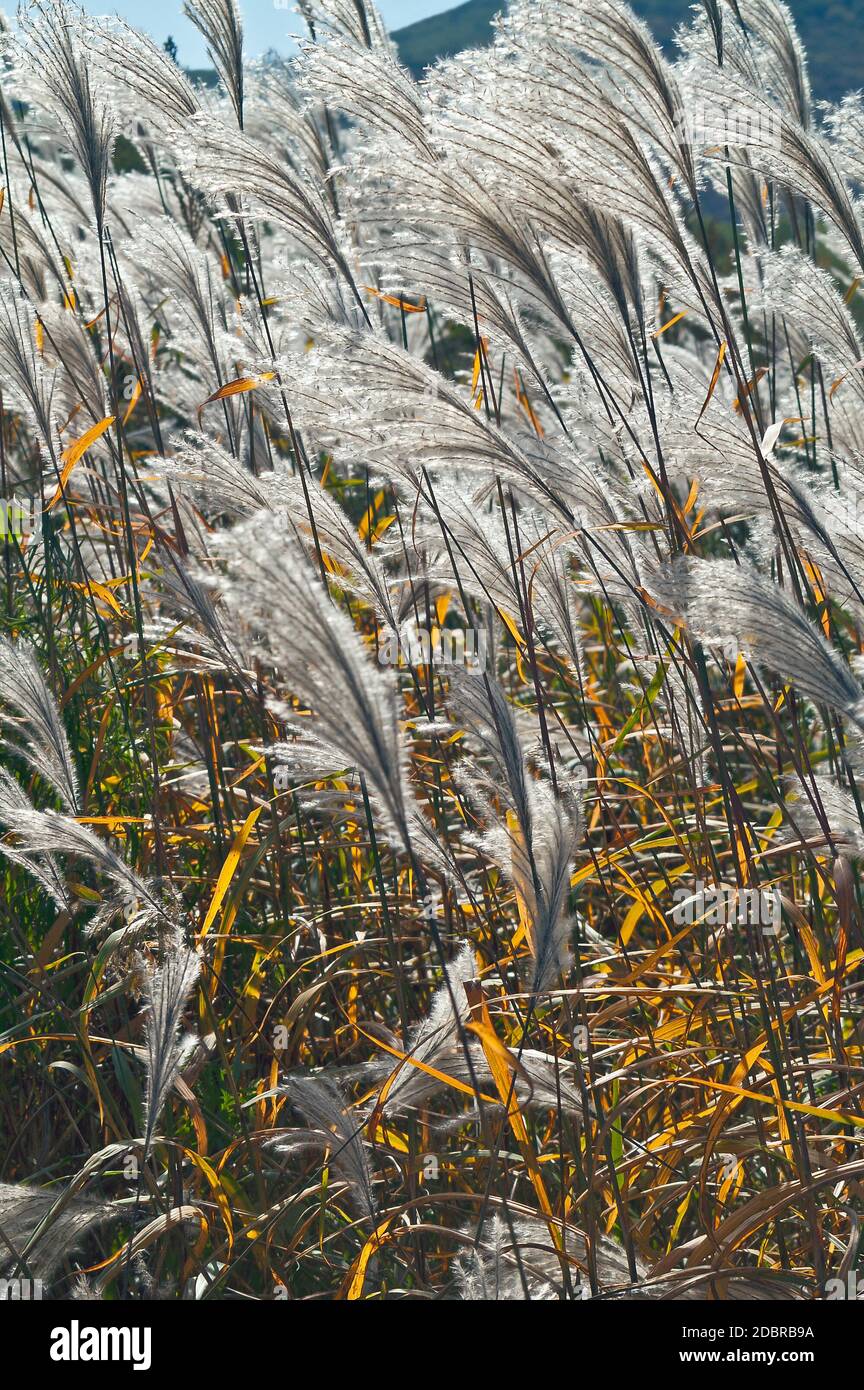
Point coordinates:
[[20, 1290], [705, 124], [77, 1343], [20, 516], [719, 906], [446, 646], [850, 1289]]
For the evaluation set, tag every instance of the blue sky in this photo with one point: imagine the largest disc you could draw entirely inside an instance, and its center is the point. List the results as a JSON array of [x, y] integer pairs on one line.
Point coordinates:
[[265, 25]]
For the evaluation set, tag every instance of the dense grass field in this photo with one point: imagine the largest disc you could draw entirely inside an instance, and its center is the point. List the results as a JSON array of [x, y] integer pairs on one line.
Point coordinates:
[[431, 597]]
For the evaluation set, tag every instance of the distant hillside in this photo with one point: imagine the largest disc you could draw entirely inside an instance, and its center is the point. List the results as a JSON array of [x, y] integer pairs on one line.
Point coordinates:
[[830, 30], [202, 77], [442, 35]]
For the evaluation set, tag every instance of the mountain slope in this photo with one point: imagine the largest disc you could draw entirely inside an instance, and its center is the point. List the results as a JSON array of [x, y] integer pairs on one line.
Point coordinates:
[[442, 35], [830, 31]]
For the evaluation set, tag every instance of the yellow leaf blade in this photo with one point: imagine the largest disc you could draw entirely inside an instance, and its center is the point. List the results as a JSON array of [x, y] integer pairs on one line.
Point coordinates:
[[76, 450]]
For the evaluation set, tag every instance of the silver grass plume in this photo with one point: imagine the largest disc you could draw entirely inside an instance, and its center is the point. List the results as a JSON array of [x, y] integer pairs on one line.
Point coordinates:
[[37, 264], [360, 571], [339, 1129], [357, 20], [785, 71], [46, 832], [42, 736], [496, 1268], [462, 285], [808, 298], [225, 161], [83, 1291], [79, 379], [24, 1208], [525, 1264], [371, 86], [642, 83], [435, 1042], [473, 219], [187, 278], [320, 659], [557, 155], [41, 865], [208, 627], [845, 122], [35, 837], [540, 873], [481, 1274], [805, 302], [214, 477], [725, 604], [281, 505], [23, 370], [536, 852], [51, 35], [435, 186], [404, 416], [480, 707], [277, 114], [129, 59], [167, 991], [737, 479], [782, 149], [477, 550], [834, 807], [218, 21]]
